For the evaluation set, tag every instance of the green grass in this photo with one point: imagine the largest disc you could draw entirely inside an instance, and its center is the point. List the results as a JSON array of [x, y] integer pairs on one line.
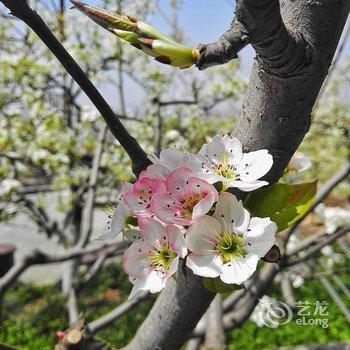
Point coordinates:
[[33, 315], [252, 337]]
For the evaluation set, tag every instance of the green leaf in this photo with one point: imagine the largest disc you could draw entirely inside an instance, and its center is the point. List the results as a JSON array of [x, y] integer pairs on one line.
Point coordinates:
[[215, 285], [283, 203]]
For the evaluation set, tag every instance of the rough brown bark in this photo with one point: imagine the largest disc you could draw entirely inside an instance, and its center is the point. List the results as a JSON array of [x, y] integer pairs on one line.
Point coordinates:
[[171, 317]]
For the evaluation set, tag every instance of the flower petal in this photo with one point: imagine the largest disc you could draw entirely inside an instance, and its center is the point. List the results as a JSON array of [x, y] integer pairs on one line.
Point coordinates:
[[216, 150], [155, 171], [125, 187], [234, 150], [208, 193], [147, 185], [230, 213], [117, 222], [135, 258], [245, 186], [204, 205], [173, 267], [135, 203], [176, 240], [154, 282], [203, 234], [153, 232], [260, 236], [202, 168], [223, 149], [207, 265], [139, 199], [178, 180], [132, 235], [170, 157], [167, 208], [254, 165], [135, 291], [239, 270]]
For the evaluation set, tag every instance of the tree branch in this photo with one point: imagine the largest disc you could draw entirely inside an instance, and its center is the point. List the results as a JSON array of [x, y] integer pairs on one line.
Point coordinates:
[[38, 257], [214, 335], [110, 317], [287, 291], [307, 242], [225, 49], [314, 251], [279, 51], [276, 112], [92, 272], [20, 9], [324, 191], [41, 218], [88, 213], [165, 327]]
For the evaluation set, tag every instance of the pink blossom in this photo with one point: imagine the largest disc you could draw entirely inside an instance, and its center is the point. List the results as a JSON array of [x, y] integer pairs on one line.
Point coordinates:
[[186, 199], [118, 216], [139, 198], [150, 261], [230, 243], [155, 171]]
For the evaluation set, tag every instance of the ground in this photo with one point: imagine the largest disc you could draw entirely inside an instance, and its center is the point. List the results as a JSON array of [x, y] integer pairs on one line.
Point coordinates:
[[34, 314]]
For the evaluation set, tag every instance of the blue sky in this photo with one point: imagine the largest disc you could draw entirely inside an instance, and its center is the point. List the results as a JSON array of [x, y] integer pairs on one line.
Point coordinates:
[[203, 21]]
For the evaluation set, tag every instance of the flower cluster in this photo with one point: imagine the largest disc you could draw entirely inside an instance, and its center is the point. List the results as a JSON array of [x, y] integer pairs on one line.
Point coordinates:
[[174, 211]]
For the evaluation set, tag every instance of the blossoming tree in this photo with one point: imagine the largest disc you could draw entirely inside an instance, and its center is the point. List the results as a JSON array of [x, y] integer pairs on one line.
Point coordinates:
[[198, 223]]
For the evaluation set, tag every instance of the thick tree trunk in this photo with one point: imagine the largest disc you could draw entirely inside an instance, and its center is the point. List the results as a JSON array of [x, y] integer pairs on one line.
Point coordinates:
[[276, 112], [168, 324], [293, 59]]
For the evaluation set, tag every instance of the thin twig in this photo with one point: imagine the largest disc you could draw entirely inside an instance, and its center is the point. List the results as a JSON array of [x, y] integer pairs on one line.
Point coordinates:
[[38, 257], [325, 190], [177, 102], [110, 317], [316, 275], [194, 344], [307, 242], [337, 55], [88, 214], [287, 291], [94, 270], [69, 291], [214, 335], [314, 251]]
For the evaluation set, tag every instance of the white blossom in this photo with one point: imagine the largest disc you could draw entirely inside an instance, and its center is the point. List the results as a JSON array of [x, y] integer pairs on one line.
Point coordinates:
[[153, 259], [297, 167], [222, 159], [230, 243], [333, 217], [171, 158], [9, 185], [119, 219]]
